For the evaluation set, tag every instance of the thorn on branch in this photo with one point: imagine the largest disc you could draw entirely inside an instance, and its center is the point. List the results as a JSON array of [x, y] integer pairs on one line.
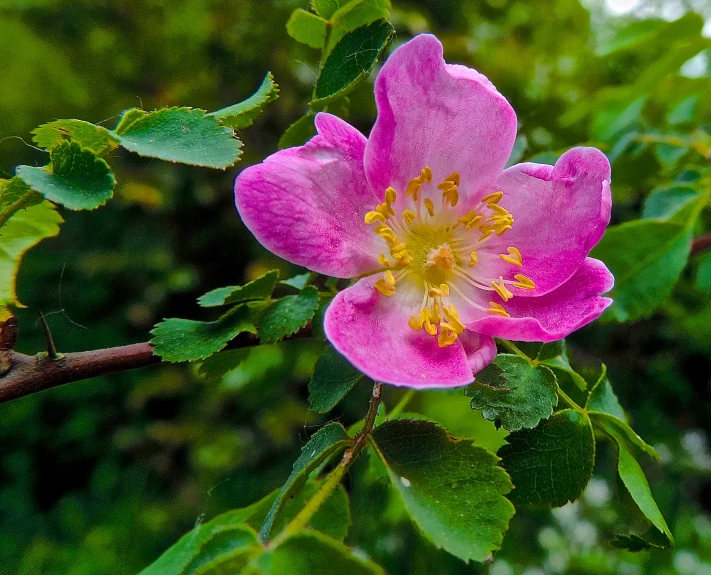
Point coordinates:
[[51, 348]]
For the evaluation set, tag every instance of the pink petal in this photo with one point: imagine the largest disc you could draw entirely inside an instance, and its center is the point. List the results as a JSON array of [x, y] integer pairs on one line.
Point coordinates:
[[560, 213], [307, 204], [480, 350], [558, 313], [448, 117], [372, 332]]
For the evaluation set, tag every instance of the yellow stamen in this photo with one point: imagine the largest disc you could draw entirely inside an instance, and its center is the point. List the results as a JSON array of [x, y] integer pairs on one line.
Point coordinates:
[[383, 261], [494, 198], [501, 289], [435, 292], [497, 309], [473, 260], [390, 195], [446, 338], [500, 231], [386, 285], [372, 217], [444, 288], [474, 223], [452, 315], [513, 257], [523, 282], [497, 209], [409, 215], [432, 314], [426, 174], [430, 328], [417, 321], [430, 207]]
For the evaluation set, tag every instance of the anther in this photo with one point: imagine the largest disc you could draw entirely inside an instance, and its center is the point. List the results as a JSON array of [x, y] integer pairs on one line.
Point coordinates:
[[372, 217], [383, 261], [430, 207], [494, 198], [390, 195], [513, 257], [409, 215], [501, 289], [386, 285], [473, 260], [497, 309], [523, 282]]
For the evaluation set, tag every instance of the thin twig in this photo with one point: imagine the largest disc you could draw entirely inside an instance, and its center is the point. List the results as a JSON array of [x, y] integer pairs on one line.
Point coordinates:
[[28, 374], [701, 244]]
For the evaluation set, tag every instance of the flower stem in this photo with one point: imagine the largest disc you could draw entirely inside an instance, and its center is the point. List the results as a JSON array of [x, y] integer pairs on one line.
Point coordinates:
[[567, 399], [334, 478], [512, 347]]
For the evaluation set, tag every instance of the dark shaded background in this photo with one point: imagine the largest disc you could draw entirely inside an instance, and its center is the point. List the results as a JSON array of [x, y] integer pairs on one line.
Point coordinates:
[[99, 477]]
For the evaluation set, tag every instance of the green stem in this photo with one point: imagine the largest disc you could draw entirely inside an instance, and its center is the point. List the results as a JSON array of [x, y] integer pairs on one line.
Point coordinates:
[[567, 399], [334, 478], [512, 348], [402, 404]]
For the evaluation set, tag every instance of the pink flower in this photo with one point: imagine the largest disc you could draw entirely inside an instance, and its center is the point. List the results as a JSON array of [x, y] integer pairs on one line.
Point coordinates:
[[448, 248]]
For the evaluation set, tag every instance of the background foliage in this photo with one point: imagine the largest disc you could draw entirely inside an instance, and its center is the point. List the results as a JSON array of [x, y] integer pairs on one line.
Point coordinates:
[[102, 476]]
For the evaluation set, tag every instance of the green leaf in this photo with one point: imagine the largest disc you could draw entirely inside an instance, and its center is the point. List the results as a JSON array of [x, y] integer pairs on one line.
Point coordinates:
[[297, 282], [15, 195], [23, 230], [621, 432], [333, 378], [188, 340], [355, 14], [288, 315], [218, 541], [218, 547], [242, 115], [663, 203], [326, 8], [551, 464], [631, 35], [327, 441], [313, 553], [703, 272], [454, 491], [603, 399], [260, 288], [683, 112], [528, 395], [77, 178], [95, 138], [636, 483], [351, 60], [299, 132], [307, 28], [646, 257], [184, 135]]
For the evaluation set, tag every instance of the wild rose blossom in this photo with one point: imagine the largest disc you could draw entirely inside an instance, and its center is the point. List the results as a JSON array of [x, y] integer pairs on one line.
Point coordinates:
[[446, 247]]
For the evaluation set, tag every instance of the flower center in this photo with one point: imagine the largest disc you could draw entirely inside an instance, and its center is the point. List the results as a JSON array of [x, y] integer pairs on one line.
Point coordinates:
[[435, 251]]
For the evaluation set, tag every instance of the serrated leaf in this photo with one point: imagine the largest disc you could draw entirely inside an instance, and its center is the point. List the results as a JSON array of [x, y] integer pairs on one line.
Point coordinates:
[[260, 288], [646, 257], [528, 395], [307, 28], [602, 398], [327, 441], [288, 315], [636, 483], [493, 376], [313, 553], [183, 135], [177, 339], [555, 356], [621, 432], [333, 378], [355, 14], [95, 138], [15, 195], [242, 115], [299, 132], [76, 178], [23, 230], [351, 60], [454, 491], [551, 464]]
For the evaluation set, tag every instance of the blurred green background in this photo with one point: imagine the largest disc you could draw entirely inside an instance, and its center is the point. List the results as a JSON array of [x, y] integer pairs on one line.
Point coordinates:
[[99, 477]]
